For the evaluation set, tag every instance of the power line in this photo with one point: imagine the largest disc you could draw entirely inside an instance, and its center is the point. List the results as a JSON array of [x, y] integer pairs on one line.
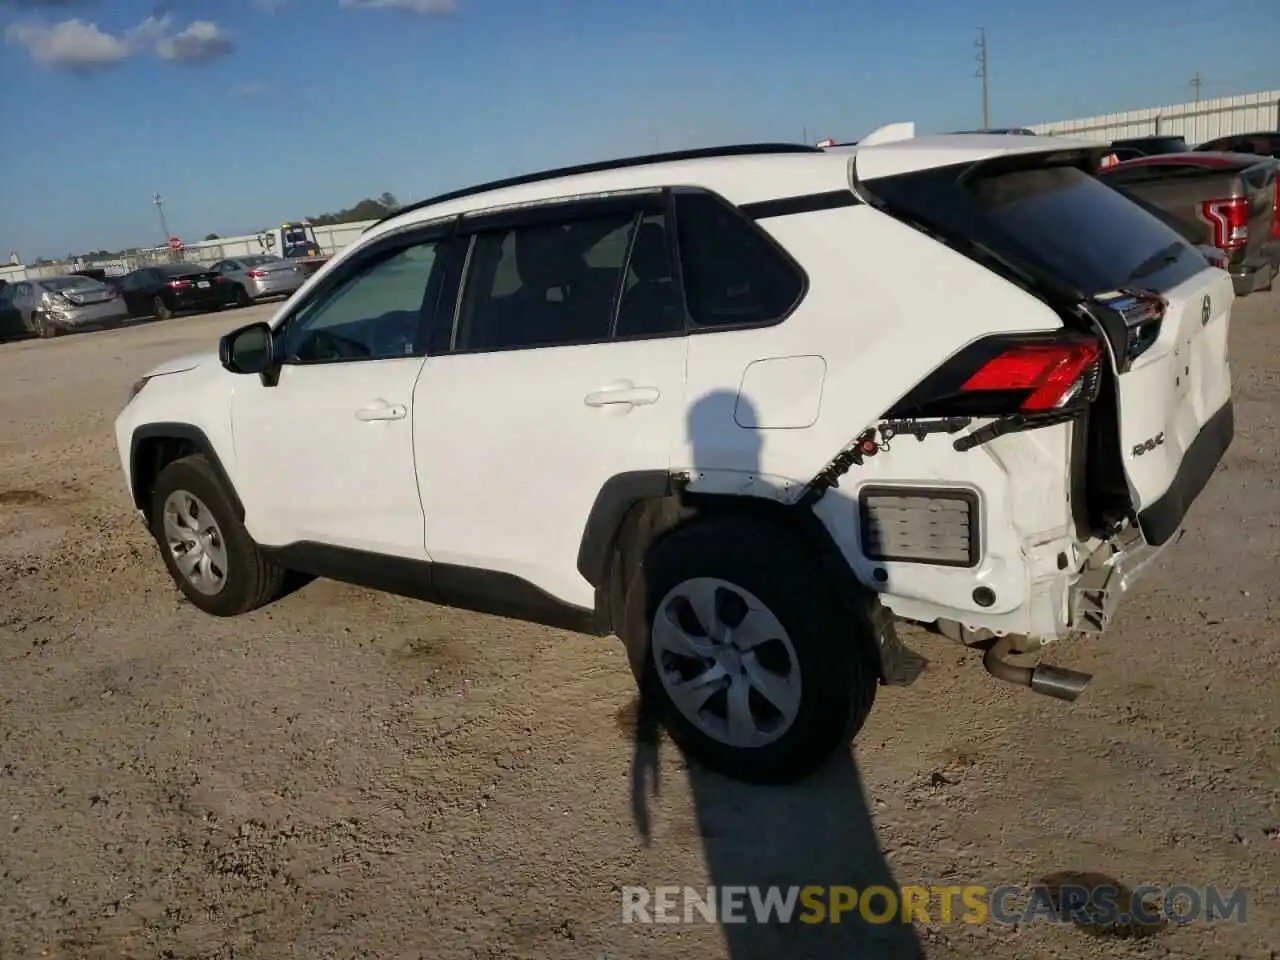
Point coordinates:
[[981, 44]]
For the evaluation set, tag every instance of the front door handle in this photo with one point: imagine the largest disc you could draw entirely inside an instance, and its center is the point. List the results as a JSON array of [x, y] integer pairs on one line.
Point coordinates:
[[625, 394], [382, 411]]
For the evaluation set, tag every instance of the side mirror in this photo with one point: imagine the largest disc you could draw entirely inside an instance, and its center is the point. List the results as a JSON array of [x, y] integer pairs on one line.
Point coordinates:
[[248, 350]]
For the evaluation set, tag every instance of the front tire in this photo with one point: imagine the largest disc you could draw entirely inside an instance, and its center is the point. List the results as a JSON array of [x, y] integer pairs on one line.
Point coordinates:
[[746, 649], [43, 326], [208, 552], [161, 309]]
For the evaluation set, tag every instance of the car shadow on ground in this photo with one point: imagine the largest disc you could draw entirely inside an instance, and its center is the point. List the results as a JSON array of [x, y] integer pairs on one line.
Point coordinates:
[[817, 832]]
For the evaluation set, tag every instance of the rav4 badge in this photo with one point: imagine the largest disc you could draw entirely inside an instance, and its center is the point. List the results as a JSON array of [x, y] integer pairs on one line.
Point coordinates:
[[1146, 446]]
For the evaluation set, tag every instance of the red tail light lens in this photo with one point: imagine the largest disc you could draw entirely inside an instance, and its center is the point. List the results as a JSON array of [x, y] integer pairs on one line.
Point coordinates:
[[1051, 375], [1230, 219], [255, 274], [1009, 375], [179, 284], [1275, 210]]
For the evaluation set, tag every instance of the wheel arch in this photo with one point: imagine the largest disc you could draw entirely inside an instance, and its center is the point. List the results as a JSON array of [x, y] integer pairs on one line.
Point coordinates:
[[156, 445], [634, 510]]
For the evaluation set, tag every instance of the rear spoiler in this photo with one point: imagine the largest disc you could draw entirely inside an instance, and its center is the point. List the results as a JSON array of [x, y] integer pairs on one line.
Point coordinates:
[[890, 133]]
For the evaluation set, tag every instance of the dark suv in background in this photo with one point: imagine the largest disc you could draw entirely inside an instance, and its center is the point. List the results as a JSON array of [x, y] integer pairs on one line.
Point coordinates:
[[1262, 144]]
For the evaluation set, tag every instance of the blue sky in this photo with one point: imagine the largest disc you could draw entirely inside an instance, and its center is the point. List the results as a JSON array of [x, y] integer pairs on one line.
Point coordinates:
[[244, 113]]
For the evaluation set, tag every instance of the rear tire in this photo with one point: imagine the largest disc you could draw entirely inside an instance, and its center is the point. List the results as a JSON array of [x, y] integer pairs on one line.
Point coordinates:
[[787, 632], [161, 309], [208, 552], [242, 297]]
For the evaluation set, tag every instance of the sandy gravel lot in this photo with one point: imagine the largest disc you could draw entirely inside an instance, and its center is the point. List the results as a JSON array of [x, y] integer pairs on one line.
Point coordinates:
[[350, 775]]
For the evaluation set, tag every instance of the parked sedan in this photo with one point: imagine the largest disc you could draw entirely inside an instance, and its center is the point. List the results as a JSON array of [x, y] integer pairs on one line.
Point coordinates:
[[261, 275], [1228, 200], [174, 288], [53, 305]]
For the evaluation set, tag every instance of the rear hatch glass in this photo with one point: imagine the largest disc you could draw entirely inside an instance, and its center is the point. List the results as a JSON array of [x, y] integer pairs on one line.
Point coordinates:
[[1084, 232]]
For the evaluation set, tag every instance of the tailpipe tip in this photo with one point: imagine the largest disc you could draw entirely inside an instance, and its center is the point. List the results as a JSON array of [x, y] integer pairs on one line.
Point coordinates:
[[1059, 682]]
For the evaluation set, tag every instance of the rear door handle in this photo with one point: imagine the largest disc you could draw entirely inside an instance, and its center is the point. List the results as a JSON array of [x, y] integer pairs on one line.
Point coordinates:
[[382, 411], [625, 394]]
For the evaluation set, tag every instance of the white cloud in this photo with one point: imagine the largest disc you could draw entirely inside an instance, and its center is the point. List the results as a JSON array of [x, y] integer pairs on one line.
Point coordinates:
[[425, 7], [200, 42], [74, 45], [78, 46]]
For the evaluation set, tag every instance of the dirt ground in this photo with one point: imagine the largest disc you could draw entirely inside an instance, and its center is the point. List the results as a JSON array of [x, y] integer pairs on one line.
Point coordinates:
[[346, 774]]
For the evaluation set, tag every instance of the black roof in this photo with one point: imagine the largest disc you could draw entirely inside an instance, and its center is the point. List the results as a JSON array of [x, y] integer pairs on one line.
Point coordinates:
[[701, 153]]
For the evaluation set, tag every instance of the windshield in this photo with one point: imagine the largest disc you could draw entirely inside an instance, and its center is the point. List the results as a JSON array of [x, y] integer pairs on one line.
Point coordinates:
[[65, 284]]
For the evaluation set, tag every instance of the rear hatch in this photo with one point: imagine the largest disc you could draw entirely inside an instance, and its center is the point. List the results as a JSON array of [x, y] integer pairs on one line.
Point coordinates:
[[1038, 215]]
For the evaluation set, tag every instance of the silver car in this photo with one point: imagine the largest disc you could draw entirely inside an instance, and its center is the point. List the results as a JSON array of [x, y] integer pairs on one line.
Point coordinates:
[[261, 275], [54, 305]]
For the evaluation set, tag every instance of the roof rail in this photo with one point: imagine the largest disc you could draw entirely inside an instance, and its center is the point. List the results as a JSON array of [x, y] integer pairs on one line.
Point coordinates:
[[700, 153]]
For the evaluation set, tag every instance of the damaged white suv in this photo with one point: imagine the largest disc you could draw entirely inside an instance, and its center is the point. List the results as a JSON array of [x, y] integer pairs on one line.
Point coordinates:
[[740, 407]]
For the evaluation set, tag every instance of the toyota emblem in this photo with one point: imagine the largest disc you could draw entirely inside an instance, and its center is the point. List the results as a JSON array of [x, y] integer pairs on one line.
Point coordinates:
[[1206, 310]]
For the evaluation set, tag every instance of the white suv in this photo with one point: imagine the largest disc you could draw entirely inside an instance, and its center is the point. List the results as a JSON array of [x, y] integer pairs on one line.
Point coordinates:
[[738, 406]]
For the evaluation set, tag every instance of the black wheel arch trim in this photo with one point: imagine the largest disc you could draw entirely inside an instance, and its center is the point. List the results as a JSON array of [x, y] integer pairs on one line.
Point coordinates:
[[1162, 519], [178, 431], [616, 498]]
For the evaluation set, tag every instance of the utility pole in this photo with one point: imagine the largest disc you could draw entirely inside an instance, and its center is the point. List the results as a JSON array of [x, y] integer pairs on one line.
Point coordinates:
[[1196, 84], [159, 202], [981, 44]]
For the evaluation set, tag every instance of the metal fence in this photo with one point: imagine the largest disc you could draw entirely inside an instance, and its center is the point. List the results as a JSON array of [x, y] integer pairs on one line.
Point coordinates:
[[1197, 122]]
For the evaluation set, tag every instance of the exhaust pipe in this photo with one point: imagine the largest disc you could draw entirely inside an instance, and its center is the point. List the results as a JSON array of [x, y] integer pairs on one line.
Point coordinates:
[[1057, 682]]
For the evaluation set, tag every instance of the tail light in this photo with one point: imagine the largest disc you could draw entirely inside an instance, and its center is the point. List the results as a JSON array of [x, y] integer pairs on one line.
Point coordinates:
[[255, 274], [1030, 376], [1275, 210], [1230, 219], [179, 284]]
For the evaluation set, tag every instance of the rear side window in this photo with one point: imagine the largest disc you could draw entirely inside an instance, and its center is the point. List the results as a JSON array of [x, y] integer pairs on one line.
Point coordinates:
[[1081, 230], [733, 274]]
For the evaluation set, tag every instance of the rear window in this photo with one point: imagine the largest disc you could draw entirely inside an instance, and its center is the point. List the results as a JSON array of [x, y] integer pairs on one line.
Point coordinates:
[[178, 269], [1081, 230]]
